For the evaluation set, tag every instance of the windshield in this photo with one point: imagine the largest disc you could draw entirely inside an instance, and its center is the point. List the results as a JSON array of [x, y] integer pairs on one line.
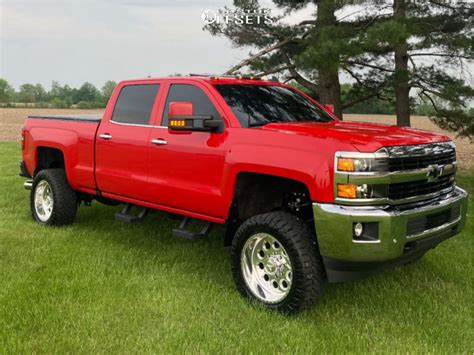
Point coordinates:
[[257, 105]]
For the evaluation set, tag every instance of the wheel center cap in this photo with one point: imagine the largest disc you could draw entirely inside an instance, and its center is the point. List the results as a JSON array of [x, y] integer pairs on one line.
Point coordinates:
[[275, 264]]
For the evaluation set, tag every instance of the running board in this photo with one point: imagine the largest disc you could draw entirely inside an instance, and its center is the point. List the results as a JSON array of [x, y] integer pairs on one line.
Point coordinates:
[[183, 232], [125, 215]]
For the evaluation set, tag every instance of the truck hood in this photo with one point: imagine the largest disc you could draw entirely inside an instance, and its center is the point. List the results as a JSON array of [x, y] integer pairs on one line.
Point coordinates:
[[366, 137]]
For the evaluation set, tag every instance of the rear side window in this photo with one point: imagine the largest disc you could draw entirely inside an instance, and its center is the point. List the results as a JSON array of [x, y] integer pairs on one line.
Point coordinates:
[[202, 105], [135, 103]]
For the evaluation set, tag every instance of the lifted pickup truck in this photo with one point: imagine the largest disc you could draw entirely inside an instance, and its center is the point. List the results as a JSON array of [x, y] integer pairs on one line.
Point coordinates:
[[305, 197]]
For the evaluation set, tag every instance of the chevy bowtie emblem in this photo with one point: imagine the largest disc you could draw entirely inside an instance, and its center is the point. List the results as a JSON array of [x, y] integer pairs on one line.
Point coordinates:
[[434, 172]]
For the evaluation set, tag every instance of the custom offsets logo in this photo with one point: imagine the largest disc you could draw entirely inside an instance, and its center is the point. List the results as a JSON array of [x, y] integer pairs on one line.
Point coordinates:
[[238, 17]]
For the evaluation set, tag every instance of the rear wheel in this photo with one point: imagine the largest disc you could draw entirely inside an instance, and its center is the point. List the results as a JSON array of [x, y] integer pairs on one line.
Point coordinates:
[[52, 200], [275, 261]]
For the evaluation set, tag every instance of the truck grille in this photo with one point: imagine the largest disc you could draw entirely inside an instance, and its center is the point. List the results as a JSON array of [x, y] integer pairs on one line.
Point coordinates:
[[420, 156], [412, 163], [421, 187]]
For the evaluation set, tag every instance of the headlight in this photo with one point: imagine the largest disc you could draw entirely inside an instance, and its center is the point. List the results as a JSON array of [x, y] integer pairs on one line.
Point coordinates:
[[355, 164], [357, 175]]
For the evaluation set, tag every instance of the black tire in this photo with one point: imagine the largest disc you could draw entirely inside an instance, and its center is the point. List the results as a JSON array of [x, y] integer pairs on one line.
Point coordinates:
[[65, 200], [301, 247]]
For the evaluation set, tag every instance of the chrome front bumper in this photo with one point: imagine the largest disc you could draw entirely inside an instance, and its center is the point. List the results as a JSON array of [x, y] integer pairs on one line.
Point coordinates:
[[346, 258]]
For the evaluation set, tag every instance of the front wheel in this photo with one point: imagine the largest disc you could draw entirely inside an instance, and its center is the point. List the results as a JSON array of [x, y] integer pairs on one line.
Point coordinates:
[[52, 200], [275, 261]]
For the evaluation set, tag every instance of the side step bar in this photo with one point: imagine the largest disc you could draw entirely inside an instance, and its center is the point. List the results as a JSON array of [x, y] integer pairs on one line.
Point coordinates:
[[125, 215], [183, 232]]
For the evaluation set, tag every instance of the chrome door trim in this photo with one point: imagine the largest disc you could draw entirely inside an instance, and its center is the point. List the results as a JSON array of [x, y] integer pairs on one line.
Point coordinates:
[[136, 125]]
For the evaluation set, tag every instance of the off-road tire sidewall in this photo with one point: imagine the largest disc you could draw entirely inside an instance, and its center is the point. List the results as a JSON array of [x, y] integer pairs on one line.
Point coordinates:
[[65, 199], [300, 243]]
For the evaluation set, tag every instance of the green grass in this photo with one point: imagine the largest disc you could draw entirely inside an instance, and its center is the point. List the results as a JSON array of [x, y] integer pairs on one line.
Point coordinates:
[[105, 286]]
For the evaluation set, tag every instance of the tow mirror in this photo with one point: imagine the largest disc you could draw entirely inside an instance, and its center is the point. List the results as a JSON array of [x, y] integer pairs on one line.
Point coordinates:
[[181, 118], [329, 108]]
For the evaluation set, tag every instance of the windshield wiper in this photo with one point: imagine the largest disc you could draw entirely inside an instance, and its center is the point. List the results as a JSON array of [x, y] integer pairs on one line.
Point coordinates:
[[257, 124]]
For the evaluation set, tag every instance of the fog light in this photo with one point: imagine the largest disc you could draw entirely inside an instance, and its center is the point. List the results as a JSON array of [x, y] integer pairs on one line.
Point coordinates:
[[358, 229], [365, 232]]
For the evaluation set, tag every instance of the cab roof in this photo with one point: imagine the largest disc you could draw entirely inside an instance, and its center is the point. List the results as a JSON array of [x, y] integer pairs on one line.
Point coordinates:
[[212, 79]]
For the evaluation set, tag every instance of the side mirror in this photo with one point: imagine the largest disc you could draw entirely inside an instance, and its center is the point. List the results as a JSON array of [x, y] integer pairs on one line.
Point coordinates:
[[329, 108], [181, 118], [180, 109]]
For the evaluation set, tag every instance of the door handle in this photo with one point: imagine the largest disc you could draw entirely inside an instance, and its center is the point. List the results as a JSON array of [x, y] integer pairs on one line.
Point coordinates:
[[159, 141], [105, 136]]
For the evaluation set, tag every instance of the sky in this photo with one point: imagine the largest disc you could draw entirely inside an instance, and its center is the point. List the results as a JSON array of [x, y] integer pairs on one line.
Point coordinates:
[[74, 41]]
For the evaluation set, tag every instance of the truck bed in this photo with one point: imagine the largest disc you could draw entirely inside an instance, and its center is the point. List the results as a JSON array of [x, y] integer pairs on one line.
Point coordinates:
[[73, 136], [78, 118]]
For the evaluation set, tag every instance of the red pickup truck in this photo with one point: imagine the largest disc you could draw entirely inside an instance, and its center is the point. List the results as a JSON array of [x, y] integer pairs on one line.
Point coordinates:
[[305, 198]]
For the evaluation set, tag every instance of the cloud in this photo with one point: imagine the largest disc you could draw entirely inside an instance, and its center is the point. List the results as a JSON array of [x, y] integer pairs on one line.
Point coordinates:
[[82, 40], [74, 41]]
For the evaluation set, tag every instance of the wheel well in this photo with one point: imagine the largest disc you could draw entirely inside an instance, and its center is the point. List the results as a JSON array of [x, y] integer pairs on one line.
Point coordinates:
[[258, 193], [48, 158]]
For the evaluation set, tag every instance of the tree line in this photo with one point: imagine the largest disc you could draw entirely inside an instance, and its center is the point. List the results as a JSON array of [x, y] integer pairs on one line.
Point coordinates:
[[404, 54], [87, 96], [59, 96]]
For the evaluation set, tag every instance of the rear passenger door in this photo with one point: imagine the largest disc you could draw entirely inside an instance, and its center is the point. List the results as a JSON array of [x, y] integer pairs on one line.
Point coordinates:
[[122, 142]]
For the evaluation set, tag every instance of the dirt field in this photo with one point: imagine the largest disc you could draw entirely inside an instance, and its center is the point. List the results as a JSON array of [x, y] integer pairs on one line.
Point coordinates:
[[11, 121]]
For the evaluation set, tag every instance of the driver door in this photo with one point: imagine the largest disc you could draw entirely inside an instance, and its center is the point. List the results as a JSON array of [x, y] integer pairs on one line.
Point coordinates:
[[186, 167]]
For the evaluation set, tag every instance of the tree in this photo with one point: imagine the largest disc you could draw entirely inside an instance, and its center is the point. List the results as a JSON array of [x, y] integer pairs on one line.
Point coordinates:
[[6, 91], [311, 52], [27, 93], [443, 31], [56, 91], [382, 46], [373, 105], [422, 49], [87, 92], [107, 90], [40, 93], [402, 88], [30, 93]]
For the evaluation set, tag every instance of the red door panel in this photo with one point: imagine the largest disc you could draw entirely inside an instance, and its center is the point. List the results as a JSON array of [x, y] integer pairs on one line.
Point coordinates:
[[121, 162], [187, 171], [122, 142]]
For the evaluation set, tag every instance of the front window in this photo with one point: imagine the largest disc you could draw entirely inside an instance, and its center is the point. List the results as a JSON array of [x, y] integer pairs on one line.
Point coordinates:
[[257, 105], [202, 106]]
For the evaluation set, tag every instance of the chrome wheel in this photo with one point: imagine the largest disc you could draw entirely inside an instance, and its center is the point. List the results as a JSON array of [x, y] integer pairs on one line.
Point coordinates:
[[43, 201], [266, 268]]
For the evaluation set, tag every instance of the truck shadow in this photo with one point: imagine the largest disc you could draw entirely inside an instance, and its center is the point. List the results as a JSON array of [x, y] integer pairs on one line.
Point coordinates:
[[207, 260]]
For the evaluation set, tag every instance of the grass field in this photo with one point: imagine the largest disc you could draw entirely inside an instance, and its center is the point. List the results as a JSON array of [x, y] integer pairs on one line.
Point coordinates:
[[104, 286]]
